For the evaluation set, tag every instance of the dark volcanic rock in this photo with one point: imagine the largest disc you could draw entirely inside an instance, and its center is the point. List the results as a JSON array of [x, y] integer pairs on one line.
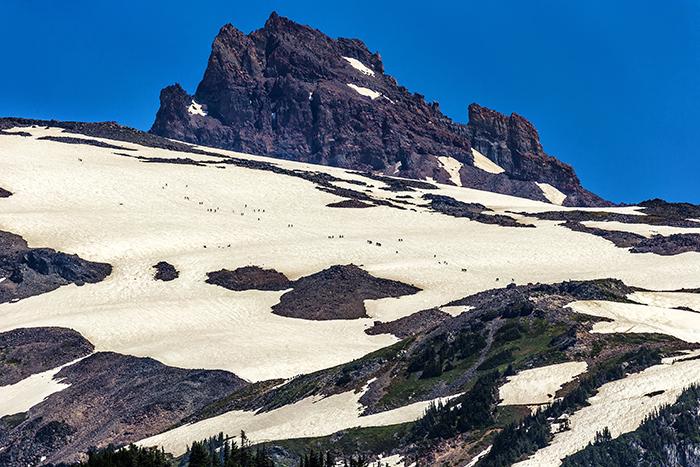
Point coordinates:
[[112, 398], [671, 214], [89, 142], [619, 238], [27, 351], [249, 278], [668, 245], [417, 323], [658, 244], [660, 208], [472, 211], [283, 91], [32, 271], [165, 272], [350, 203], [337, 293], [4, 193]]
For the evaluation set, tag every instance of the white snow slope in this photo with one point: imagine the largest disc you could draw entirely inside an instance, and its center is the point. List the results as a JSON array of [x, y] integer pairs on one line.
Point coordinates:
[[86, 200], [21, 396], [538, 385], [621, 406], [310, 417]]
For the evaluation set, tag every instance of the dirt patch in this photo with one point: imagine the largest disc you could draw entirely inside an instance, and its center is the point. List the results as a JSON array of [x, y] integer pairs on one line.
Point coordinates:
[[337, 293], [249, 278], [165, 272]]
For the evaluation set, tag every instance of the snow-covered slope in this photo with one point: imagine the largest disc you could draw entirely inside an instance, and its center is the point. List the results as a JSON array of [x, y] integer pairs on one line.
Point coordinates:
[[136, 206], [87, 200]]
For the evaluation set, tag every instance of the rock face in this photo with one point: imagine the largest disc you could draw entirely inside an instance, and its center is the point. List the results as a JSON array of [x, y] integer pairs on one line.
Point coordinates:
[[290, 91]]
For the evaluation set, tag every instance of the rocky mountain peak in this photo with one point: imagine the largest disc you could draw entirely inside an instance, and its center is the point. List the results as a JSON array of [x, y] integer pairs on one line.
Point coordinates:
[[288, 90]]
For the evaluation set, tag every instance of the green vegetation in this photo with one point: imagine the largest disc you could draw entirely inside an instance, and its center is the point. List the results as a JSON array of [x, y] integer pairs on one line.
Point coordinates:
[[472, 410], [132, 456]]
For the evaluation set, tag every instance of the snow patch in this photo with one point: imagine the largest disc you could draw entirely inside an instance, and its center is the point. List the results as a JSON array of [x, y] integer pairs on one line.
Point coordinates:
[[634, 318], [25, 394], [484, 163], [365, 91], [537, 386], [191, 324], [478, 457], [552, 193], [667, 299], [310, 417], [196, 109], [619, 405], [358, 65], [452, 166]]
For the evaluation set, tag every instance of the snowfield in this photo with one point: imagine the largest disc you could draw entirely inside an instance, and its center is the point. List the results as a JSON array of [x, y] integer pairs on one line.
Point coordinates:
[[21, 396], [105, 207], [621, 406], [310, 417], [67, 197], [539, 385], [668, 299]]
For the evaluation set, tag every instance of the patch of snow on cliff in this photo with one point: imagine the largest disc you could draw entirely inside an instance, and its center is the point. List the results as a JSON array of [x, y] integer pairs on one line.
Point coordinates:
[[452, 166], [365, 91], [358, 65], [551, 193], [484, 163], [196, 109]]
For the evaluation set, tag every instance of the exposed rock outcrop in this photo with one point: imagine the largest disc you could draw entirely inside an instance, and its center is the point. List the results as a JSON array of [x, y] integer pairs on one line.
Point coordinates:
[[165, 272], [249, 278], [338, 292], [27, 351], [290, 91], [26, 271]]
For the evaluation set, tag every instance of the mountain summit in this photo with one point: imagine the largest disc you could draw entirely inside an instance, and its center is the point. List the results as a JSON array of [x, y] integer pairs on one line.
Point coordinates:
[[290, 91]]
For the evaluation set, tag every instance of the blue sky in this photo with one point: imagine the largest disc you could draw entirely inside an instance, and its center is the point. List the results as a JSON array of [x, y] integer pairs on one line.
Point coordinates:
[[613, 87]]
